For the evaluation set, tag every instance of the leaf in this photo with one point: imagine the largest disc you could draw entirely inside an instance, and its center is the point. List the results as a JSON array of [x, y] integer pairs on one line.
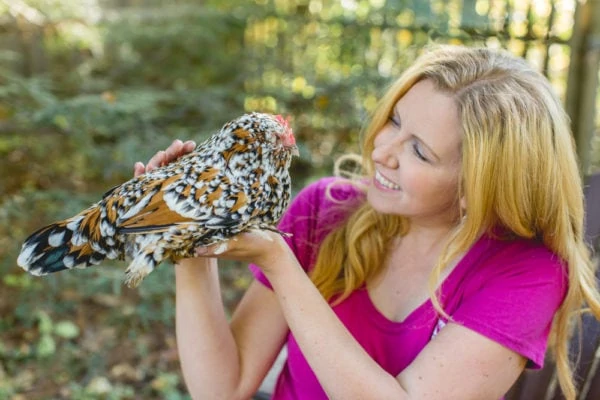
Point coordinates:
[[165, 382], [45, 323], [99, 385], [66, 330], [20, 280], [46, 346], [61, 121]]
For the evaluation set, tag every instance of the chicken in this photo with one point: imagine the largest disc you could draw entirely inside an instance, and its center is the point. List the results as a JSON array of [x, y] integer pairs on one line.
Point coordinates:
[[237, 180]]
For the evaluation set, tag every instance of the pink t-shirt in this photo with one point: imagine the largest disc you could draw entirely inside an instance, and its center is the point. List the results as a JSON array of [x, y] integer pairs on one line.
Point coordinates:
[[506, 290]]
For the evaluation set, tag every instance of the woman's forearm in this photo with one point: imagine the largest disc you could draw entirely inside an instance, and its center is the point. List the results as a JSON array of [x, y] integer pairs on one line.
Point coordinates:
[[207, 349]]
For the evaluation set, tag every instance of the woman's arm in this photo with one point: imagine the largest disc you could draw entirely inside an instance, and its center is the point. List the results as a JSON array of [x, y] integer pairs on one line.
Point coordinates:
[[459, 363], [207, 350], [219, 361]]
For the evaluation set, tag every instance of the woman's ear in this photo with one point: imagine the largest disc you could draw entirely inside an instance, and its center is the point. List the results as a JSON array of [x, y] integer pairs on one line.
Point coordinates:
[[463, 204]]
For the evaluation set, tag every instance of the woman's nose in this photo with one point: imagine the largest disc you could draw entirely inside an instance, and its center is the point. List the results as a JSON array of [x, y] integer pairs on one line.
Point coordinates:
[[383, 154]]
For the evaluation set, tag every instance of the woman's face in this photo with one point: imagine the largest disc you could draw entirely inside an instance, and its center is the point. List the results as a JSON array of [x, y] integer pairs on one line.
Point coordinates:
[[417, 159]]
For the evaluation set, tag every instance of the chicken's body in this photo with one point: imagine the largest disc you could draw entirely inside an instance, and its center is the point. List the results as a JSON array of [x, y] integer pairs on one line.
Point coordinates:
[[235, 181]]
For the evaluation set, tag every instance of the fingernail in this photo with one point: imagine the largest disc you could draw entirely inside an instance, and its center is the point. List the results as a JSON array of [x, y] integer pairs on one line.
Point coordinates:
[[221, 248], [201, 251]]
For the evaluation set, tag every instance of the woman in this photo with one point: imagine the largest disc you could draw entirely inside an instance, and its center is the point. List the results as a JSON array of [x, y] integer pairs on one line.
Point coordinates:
[[440, 273]]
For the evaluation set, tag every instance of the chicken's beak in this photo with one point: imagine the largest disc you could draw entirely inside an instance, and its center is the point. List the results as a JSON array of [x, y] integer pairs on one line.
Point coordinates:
[[294, 150]]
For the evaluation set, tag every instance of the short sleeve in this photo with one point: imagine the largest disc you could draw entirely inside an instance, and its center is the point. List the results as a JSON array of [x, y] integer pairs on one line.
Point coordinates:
[[515, 299], [312, 214]]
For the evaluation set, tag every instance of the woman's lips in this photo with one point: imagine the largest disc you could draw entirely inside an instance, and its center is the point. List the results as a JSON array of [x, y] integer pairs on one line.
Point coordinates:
[[385, 183]]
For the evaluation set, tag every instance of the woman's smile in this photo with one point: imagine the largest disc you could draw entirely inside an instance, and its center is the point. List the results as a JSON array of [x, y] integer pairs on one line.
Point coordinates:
[[384, 183]]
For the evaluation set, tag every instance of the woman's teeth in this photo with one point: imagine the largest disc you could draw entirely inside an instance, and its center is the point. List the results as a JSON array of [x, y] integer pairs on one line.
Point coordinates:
[[385, 182]]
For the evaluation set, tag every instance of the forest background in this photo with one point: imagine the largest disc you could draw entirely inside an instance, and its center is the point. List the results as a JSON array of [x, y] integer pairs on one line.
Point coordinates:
[[88, 87]]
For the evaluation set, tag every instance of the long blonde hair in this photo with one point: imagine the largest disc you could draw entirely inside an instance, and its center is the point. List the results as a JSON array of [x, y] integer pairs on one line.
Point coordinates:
[[519, 171]]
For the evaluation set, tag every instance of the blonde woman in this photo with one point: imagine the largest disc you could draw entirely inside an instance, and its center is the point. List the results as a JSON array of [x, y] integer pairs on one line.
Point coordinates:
[[444, 270]]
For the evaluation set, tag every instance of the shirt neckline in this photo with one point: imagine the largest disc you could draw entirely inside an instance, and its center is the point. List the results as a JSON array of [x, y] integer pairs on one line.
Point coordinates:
[[419, 312]]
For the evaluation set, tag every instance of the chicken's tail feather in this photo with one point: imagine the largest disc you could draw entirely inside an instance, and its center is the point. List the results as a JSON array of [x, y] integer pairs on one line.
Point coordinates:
[[73, 243]]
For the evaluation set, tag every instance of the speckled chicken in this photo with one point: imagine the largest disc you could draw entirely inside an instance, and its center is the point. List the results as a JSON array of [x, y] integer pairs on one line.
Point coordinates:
[[236, 181]]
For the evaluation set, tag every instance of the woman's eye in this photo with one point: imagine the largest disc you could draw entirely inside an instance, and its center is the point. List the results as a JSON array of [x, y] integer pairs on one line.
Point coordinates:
[[418, 152], [395, 121]]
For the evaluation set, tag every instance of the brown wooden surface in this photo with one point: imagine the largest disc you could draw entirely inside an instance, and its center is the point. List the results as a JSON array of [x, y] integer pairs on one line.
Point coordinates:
[[592, 209]]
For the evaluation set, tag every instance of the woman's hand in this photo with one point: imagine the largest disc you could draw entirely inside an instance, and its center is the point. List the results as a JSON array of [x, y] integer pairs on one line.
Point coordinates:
[[267, 249], [163, 157]]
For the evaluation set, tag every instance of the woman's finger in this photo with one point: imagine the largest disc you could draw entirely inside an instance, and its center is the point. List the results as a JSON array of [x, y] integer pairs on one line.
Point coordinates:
[[163, 157], [138, 168], [248, 244], [214, 250], [174, 150], [188, 146], [156, 161]]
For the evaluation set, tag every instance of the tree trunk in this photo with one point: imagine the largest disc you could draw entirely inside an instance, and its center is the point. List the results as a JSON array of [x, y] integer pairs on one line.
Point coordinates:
[[582, 86]]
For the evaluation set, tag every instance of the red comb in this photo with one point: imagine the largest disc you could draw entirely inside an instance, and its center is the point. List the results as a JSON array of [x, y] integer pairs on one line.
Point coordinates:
[[283, 121], [286, 124]]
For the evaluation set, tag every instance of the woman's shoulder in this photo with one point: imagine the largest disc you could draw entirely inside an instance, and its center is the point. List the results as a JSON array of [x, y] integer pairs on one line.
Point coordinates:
[[523, 250], [518, 258], [334, 188], [319, 207], [327, 192]]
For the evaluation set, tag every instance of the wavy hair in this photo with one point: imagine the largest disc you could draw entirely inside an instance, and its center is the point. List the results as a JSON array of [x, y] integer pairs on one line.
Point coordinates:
[[519, 171]]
